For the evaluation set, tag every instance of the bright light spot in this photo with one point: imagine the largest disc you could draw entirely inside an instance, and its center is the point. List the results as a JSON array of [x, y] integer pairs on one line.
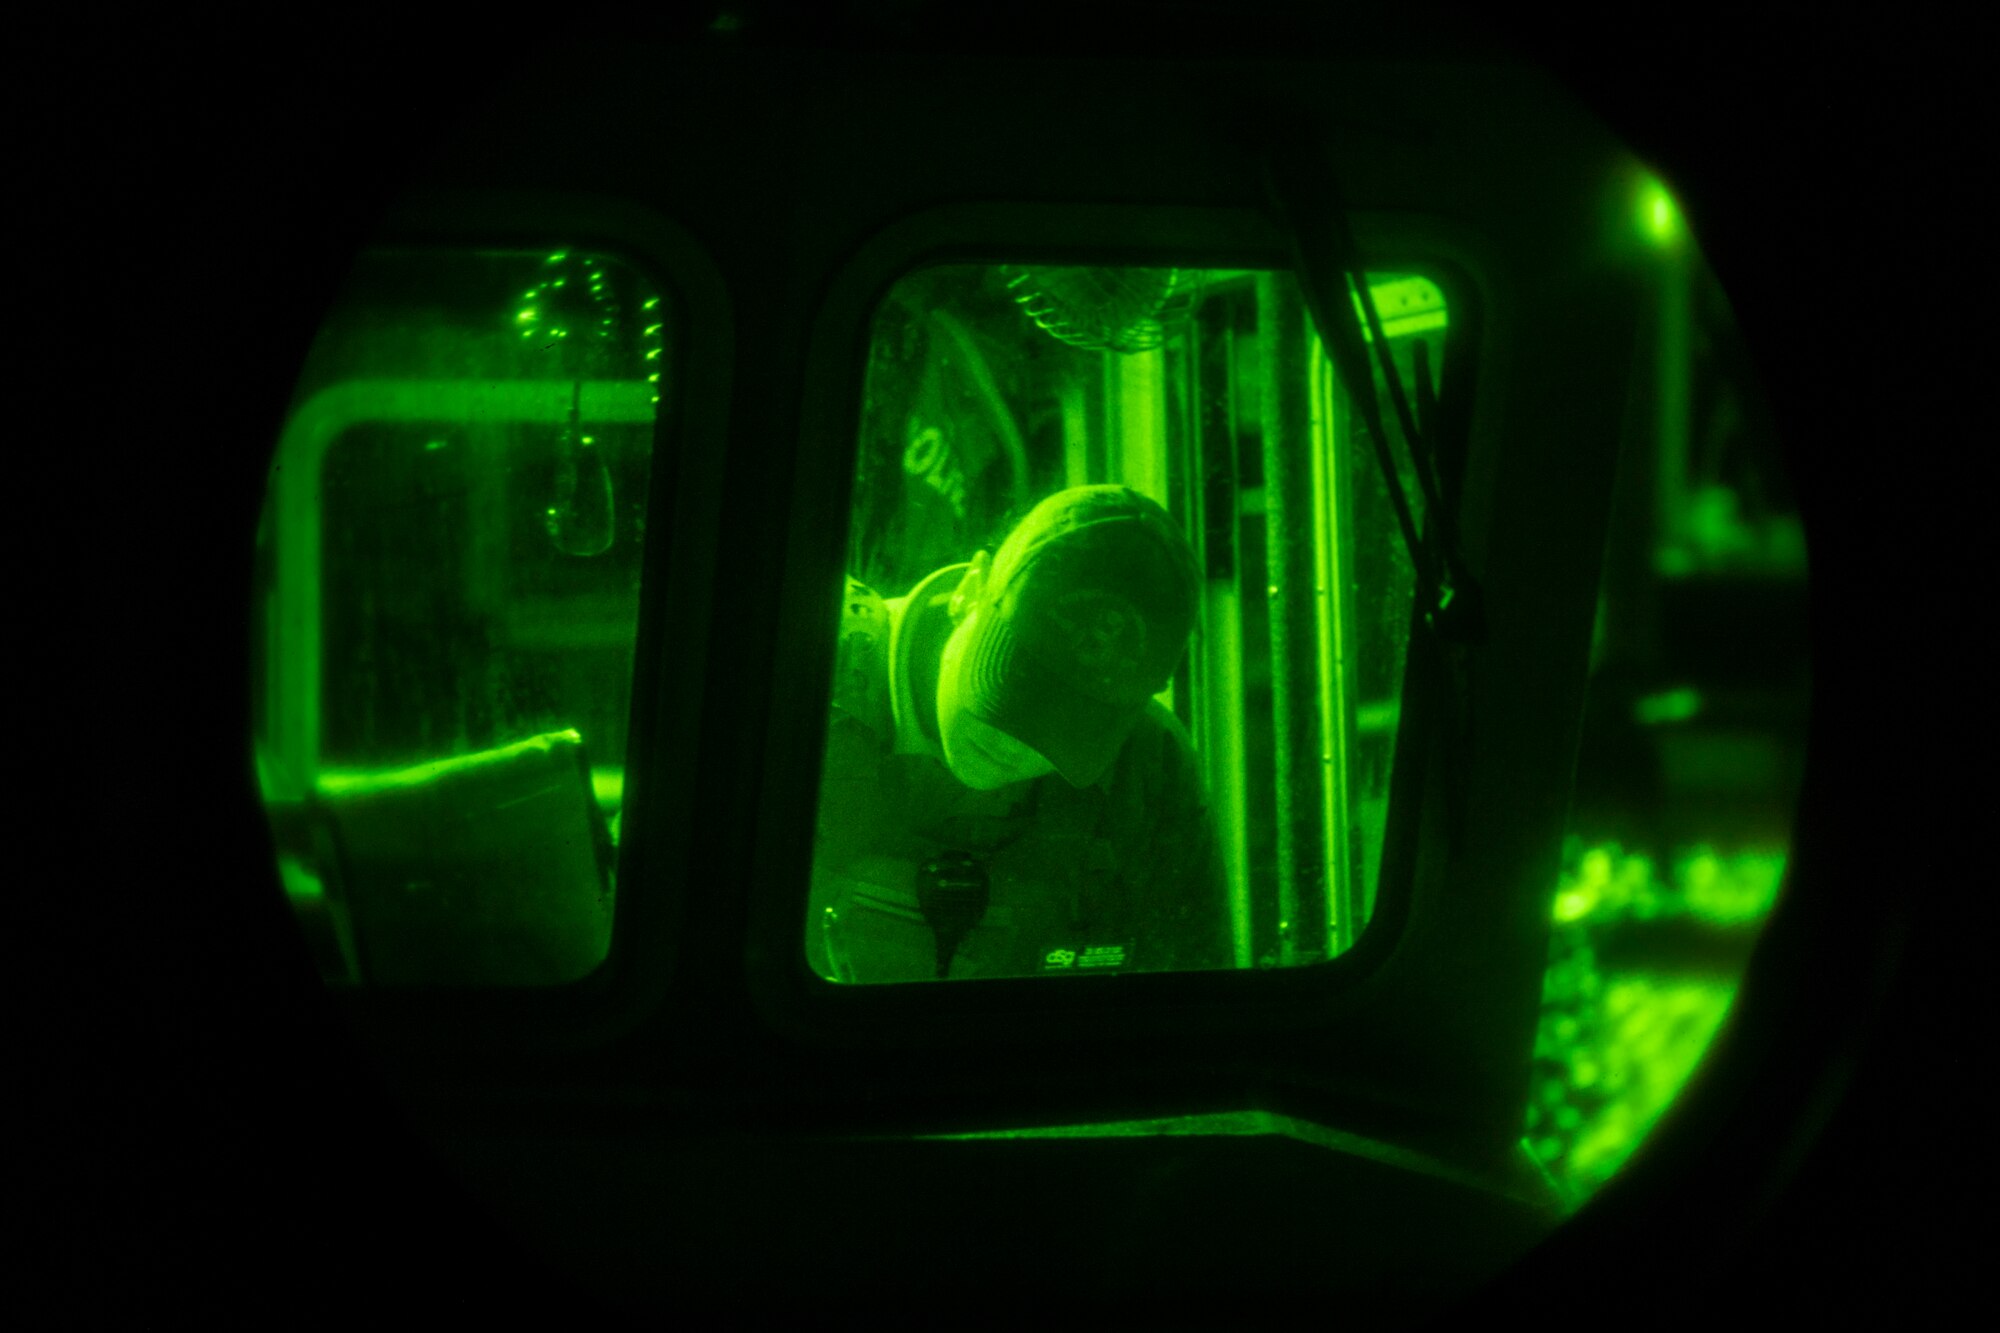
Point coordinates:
[[1671, 706], [526, 315], [1575, 904], [1658, 213], [1596, 866]]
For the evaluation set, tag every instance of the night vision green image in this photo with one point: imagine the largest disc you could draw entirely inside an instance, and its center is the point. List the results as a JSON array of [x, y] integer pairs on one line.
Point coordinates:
[[1122, 641], [449, 591], [1119, 652]]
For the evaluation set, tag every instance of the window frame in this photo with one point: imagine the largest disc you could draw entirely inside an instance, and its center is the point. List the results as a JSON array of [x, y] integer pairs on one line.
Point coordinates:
[[1032, 1010], [675, 588]]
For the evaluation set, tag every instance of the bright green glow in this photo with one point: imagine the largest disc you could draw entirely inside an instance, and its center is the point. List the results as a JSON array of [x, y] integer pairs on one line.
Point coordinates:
[[1658, 1031], [370, 782], [1730, 890], [1141, 410], [1614, 1048], [1610, 885], [1672, 706], [301, 885], [1334, 616], [1659, 216], [608, 784], [1404, 305]]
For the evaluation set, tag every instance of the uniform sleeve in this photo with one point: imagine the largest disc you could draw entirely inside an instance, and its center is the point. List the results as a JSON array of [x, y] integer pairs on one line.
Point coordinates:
[[1173, 867]]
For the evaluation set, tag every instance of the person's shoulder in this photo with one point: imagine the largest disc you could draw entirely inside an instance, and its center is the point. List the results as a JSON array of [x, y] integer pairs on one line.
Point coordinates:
[[1158, 747]]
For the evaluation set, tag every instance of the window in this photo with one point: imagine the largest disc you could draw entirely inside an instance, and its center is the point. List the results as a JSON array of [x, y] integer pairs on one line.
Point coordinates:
[[449, 586], [1240, 825]]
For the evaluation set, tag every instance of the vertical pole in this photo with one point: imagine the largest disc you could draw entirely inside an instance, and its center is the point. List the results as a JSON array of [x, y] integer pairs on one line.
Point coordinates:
[[1294, 594], [1334, 633], [1214, 512], [1141, 419], [1138, 383]]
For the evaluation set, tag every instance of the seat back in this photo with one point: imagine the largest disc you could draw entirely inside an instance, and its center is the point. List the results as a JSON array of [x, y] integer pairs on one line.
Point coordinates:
[[490, 869]]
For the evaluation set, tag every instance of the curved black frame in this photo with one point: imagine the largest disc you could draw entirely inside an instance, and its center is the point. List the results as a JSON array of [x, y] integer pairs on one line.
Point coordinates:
[[1015, 1011]]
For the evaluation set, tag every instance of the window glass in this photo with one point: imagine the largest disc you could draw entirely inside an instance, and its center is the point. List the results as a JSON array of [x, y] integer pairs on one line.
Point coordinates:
[[1120, 656], [449, 563]]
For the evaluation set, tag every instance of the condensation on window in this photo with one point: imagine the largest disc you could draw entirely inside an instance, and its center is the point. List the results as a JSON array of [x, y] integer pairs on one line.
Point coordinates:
[[448, 588]]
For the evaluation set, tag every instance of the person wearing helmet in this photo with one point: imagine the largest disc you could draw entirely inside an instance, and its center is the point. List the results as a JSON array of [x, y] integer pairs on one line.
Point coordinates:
[[1002, 793]]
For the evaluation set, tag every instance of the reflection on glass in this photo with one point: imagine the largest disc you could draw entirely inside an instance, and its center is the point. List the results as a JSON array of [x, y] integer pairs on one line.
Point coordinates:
[[449, 580], [1121, 650]]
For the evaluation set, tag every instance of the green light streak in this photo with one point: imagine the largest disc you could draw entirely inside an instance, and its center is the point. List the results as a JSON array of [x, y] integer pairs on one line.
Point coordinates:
[[607, 784], [1335, 671], [1235, 1124]]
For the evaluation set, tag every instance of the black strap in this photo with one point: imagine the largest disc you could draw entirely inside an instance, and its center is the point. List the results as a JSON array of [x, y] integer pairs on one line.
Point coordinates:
[[1307, 197]]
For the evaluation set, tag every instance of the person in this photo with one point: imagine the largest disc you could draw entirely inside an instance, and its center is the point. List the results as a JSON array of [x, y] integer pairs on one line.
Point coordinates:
[[1002, 794]]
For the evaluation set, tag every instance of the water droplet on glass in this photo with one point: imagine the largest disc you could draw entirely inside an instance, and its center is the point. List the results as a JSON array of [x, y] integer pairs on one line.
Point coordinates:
[[580, 519]]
